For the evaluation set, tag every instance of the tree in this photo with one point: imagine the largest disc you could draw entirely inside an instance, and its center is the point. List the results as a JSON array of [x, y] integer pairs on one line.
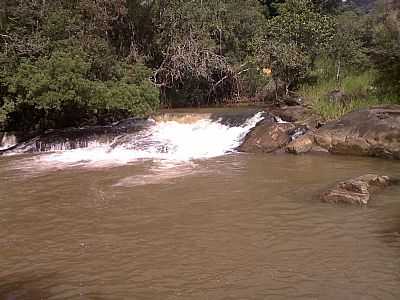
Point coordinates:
[[41, 92], [271, 7], [204, 44], [328, 6], [293, 40], [386, 52], [347, 47]]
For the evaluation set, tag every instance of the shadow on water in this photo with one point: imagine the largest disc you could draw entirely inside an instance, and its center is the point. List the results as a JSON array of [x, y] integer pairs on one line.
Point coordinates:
[[33, 287], [388, 223], [24, 286], [390, 233]]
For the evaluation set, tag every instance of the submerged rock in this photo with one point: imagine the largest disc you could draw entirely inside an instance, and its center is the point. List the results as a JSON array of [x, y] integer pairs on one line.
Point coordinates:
[[357, 190], [368, 132]]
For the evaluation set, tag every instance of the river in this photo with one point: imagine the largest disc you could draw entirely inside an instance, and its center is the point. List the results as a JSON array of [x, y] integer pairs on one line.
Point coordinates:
[[212, 224]]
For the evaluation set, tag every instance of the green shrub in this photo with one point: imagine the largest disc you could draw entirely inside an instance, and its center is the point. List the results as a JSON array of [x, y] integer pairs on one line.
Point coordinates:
[[64, 82]]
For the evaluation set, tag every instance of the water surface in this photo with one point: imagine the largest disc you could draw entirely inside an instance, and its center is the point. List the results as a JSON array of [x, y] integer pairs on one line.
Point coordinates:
[[237, 226]]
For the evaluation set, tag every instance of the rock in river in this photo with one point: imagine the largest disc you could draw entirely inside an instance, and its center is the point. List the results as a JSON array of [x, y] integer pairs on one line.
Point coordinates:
[[268, 137], [368, 132], [301, 145], [357, 190]]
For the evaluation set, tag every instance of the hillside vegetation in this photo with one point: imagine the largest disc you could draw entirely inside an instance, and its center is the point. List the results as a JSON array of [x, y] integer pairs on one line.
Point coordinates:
[[83, 62]]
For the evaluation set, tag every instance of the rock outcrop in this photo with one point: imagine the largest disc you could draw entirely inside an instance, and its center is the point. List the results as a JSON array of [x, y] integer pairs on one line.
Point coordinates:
[[356, 191], [369, 132], [267, 137]]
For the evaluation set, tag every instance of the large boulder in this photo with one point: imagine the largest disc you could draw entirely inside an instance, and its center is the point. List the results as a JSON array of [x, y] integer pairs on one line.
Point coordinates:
[[267, 137], [357, 190], [368, 132]]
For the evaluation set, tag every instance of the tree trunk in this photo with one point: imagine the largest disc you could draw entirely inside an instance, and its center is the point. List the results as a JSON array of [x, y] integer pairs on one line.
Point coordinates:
[[3, 18], [339, 65]]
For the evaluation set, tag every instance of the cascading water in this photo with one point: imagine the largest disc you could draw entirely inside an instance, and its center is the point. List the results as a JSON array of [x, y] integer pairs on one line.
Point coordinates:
[[7, 141], [168, 141]]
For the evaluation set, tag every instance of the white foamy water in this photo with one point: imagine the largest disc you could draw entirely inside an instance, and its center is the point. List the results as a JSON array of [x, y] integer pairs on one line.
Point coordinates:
[[7, 141], [167, 141]]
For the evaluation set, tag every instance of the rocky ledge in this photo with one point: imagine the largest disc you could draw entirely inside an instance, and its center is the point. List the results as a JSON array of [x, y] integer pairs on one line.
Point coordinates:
[[287, 129], [268, 136], [357, 190], [368, 132]]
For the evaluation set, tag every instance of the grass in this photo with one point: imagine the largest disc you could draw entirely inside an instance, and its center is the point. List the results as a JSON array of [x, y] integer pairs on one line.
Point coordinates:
[[358, 88]]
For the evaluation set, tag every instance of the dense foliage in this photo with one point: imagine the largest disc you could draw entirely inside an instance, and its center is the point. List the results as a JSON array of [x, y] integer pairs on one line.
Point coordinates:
[[64, 64], [71, 63]]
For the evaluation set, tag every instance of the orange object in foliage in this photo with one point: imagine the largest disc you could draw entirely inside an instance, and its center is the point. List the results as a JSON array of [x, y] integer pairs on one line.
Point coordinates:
[[267, 72]]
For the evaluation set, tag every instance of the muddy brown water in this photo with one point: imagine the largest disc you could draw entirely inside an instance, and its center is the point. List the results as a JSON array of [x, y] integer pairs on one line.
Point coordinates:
[[233, 227]]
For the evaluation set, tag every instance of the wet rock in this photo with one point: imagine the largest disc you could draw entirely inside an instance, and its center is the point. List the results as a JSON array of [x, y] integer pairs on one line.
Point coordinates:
[[369, 132], [236, 118], [73, 138], [300, 115], [357, 190], [301, 145], [267, 137]]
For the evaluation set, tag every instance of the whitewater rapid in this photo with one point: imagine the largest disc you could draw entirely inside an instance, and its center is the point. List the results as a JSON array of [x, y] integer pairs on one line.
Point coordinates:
[[168, 141]]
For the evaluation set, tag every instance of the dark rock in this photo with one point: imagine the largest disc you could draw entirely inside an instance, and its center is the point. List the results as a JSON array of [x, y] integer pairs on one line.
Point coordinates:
[[300, 115], [368, 132], [72, 138], [267, 137], [236, 118], [357, 190], [292, 101], [291, 113]]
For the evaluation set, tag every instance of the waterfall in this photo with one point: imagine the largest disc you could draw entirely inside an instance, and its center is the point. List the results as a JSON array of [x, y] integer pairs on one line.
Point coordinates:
[[7, 140], [165, 139]]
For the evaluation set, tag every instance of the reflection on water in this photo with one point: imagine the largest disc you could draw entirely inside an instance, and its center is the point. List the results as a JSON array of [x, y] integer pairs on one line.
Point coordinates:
[[233, 227]]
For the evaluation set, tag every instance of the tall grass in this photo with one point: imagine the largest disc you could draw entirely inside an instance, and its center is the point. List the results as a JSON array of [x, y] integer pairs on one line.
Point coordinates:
[[358, 87]]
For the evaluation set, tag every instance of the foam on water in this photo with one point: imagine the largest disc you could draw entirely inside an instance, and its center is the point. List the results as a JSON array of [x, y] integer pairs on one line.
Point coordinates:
[[7, 141], [165, 141]]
